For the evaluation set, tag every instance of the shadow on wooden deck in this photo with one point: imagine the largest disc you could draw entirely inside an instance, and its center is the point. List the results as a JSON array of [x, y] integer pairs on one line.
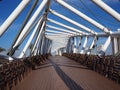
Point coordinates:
[[62, 73]]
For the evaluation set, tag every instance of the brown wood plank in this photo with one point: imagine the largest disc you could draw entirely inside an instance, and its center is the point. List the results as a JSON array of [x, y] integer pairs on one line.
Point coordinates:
[[87, 79], [44, 78]]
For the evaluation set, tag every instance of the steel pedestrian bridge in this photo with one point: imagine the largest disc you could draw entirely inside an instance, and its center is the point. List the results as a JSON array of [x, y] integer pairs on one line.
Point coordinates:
[[62, 44]]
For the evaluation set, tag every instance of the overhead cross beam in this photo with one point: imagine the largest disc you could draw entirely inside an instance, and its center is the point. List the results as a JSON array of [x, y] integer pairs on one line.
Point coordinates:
[[73, 22], [57, 33], [90, 20], [60, 29], [108, 9], [68, 36], [65, 26], [13, 16], [60, 32]]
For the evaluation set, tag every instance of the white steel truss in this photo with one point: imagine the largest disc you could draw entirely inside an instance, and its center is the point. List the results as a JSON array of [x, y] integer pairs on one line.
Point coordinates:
[[42, 27]]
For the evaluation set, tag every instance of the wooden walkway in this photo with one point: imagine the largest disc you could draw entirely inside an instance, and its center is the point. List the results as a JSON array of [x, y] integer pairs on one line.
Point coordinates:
[[62, 73]]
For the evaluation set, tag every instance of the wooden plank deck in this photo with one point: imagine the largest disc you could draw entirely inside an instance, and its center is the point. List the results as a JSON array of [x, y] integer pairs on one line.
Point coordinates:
[[62, 73]]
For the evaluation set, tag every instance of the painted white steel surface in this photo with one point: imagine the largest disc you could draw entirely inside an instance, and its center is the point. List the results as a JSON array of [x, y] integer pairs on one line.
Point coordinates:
[[108, 9], [51, 31], [13, 16], [65, 26], [31, 21], [30, 40], [93, 43], [115, 42], [60, 29], [107, 43], [84, 45], [38, 37], [83, 16], [73, 22]]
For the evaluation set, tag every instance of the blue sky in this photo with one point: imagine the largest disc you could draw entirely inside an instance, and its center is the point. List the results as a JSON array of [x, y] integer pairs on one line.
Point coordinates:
[[7, 6]]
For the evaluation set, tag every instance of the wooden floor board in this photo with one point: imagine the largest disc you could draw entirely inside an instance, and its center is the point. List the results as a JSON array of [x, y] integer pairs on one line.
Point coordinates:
[[47, 78], [42, 79], [87, 79]]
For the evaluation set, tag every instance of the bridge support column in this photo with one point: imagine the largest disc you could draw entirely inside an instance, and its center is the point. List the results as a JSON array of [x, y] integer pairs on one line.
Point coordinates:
[[50, 46], [75, 50], [115, 45], [92, 45], [42, 45], [71, 45], [107, 43], [84, 45], [67, 46], [79, 43], [105, 46]]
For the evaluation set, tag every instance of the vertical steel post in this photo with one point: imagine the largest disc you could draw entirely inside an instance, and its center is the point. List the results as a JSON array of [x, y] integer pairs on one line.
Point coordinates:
[[107, 43], [92, 44], [79, 43], [75, 50], [105, 46], [115, 45], [42, 45], [84, 45]]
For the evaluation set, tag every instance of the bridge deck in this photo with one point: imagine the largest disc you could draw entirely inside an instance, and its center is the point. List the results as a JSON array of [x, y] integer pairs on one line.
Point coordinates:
[[62, 73]]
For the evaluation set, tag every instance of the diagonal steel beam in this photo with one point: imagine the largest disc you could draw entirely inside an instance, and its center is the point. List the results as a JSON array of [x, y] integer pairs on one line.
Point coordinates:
[[85, 17], [108, 9], [73, 22], [65, 26], [60, 29]]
